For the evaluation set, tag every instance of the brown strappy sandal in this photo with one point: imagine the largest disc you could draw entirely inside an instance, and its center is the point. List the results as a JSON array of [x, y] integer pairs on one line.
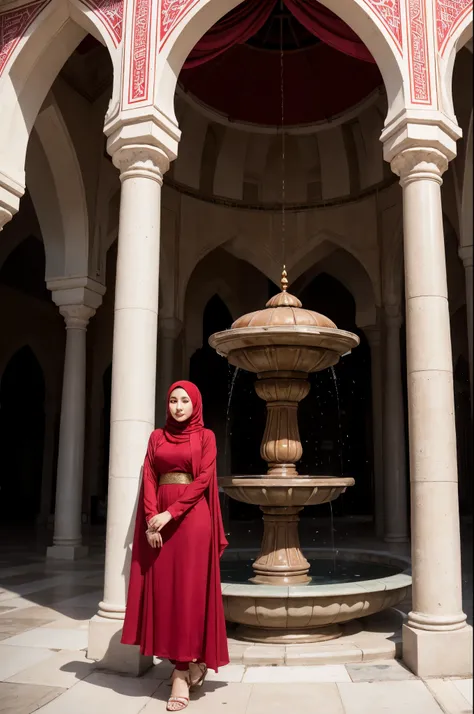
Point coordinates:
[[177, 704], [199, 682]]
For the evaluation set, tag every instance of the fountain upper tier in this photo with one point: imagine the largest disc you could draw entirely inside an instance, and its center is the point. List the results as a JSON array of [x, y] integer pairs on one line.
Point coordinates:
[[284, 337]]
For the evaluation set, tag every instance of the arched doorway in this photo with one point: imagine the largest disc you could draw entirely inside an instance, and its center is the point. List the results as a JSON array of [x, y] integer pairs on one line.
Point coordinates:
[[22, 393]]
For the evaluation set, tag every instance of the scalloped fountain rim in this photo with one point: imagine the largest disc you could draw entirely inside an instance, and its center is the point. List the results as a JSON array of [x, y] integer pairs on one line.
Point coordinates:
[[391, 582], [220, 340]]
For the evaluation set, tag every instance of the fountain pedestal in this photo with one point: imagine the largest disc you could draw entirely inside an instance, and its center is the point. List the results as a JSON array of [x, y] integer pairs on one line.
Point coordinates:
[[281, 561], [281, 446]]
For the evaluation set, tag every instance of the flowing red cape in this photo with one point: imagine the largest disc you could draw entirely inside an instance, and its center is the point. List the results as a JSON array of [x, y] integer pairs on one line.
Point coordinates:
[[215, 651]]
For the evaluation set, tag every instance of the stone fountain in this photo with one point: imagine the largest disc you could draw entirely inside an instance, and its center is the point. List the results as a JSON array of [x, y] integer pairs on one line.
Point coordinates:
[[283, 344]]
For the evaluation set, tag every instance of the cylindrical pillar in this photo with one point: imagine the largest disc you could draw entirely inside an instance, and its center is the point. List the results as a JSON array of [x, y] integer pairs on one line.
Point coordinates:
[[395, 477], [67, 540], [465, 253], [133, 386], [373, 336], [436, 640]]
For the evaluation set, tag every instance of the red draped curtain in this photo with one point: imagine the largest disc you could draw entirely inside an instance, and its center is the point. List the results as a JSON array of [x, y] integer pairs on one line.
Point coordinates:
[[247, 19]]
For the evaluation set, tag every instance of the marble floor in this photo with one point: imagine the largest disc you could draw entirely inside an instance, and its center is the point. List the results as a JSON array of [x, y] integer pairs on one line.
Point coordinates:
[[44, 613]]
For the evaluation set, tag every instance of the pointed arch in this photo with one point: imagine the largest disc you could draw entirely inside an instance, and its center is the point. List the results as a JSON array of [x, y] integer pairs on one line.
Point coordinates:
[[196, 18], [459, 36], [339, 263], [30, 72], [58, 193]]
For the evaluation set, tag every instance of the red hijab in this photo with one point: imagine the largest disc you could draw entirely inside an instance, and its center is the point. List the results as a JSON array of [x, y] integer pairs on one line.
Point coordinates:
[[178, 432]]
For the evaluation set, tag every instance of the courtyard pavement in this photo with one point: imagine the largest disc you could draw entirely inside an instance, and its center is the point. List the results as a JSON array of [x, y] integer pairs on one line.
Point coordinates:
[[44, 613]]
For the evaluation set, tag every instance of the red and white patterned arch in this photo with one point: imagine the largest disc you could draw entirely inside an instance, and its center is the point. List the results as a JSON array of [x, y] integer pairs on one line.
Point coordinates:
[[110, 13], [388, 12], [449, 15], [14, 24]]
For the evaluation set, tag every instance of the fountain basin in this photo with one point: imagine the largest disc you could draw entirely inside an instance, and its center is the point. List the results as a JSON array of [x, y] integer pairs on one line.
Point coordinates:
[[284, 492], [276, 348], [300, 614]]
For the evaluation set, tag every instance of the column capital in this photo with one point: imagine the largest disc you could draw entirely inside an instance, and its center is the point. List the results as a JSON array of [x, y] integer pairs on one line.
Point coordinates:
[[466, 254], [141, 161], [420, 163], [169, 327], [144, 147], [420, 129], [77, 298], [76, 317], [10, 194]]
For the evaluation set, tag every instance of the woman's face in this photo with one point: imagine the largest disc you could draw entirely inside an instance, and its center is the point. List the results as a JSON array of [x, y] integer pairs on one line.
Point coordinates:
[[180, 404]]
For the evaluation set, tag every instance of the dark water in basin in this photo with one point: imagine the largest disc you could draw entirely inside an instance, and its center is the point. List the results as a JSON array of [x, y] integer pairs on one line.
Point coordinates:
[[322, 571]]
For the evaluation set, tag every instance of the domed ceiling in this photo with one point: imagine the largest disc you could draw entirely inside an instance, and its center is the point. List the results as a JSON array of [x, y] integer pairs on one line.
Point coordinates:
[[244, 83]]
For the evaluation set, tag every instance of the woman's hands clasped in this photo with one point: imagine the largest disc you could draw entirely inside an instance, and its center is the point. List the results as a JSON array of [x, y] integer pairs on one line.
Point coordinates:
[[155, 524], [159, 521], [154, 539]]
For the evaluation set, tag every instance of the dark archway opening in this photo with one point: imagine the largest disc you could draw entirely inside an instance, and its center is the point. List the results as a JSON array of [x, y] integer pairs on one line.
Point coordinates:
[[22, 394], [210, 373], [335, 419]]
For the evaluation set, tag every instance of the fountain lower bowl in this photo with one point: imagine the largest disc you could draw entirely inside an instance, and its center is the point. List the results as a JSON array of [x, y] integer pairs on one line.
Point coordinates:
[[313, 612], [284, 492]]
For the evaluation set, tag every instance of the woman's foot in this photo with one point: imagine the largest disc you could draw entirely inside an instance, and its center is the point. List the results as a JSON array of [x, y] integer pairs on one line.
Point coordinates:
[[179, 698], [197, 674]]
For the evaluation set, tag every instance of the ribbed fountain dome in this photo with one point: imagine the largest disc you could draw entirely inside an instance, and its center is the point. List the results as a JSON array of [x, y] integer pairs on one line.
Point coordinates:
[[285, 310]]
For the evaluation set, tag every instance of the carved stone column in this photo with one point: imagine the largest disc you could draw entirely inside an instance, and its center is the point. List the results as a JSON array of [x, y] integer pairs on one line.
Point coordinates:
[[133, 385], [395, 476], [436, 639], [77, 304], [374, 339]]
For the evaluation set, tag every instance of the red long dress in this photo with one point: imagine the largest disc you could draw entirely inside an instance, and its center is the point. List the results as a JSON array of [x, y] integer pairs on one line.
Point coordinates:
[[174, 606]]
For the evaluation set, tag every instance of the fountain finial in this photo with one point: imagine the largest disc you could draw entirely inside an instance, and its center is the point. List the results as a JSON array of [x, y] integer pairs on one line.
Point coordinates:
[[284, 280]]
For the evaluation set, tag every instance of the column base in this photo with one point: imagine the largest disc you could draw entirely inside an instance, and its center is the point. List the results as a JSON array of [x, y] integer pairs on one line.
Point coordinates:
[[105, 648], [438, 654], [67, 552]]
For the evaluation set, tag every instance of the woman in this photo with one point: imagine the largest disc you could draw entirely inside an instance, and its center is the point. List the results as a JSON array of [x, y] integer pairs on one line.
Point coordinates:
[[174, 606]]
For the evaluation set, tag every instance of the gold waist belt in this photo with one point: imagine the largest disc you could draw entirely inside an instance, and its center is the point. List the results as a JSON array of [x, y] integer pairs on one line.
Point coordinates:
[[175, 478]]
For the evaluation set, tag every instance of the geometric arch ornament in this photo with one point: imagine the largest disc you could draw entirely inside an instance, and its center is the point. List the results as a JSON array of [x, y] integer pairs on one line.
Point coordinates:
[[449, 16], [14, 23], [110, 12]]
